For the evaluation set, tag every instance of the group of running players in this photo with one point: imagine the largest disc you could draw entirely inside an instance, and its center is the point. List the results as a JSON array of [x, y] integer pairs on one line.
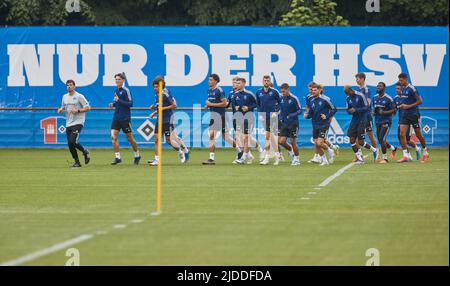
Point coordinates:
[[278, 113]]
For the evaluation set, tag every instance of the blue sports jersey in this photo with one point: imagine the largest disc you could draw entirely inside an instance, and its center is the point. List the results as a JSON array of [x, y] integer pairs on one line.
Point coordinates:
[[215, 96], [290, 108], [384, 103], [307, 98], [232, 100], [123, 106], [398, 100], [245, 98], [318, 106], [358, 101], [168, 99], [409, 94], [268, 100]]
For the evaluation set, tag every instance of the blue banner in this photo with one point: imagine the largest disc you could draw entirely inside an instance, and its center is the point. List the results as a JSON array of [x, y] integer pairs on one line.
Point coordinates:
[[46, 129], [35, 62]]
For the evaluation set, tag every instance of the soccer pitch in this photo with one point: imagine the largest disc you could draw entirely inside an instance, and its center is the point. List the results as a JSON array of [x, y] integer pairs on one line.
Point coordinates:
[[223, 214]]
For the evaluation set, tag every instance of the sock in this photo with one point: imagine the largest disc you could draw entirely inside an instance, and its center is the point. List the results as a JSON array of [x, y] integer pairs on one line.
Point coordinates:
[[156, 158], [392, 147], [211, 156], [249, 153], [239, 150], [117, 154], [277, 155], [291, 153], [260, 149], [324, 158], [425, 151], [267, 156], [136, 154], [316, 156], [417, 148], [385, 156], [295, 158], [405, 153], [245, 155], [180, 151], [330, 152], [240, 154]]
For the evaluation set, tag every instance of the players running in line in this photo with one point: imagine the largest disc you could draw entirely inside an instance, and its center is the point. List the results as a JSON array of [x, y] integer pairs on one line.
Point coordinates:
[[277, 112]]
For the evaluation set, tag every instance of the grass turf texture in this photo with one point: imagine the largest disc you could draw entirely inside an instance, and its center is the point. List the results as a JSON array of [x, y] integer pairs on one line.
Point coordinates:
[[223, 214]]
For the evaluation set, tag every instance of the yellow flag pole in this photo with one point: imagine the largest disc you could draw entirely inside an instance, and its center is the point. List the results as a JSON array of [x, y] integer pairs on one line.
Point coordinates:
[[159, 148]]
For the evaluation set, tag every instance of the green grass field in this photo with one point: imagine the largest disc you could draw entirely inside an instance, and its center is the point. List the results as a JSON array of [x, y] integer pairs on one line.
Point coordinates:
[[223, 214]]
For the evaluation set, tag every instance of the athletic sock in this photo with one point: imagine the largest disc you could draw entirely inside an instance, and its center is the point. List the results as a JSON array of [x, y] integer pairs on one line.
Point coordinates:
[[405, 153], [324, 159], [156, 158], [136, 154], [385, 156], [392, 147], [117, 154], [417, 148], [295, 158], [211, 156], [291, 153], [425, 151], [277, 155], [330, 152]]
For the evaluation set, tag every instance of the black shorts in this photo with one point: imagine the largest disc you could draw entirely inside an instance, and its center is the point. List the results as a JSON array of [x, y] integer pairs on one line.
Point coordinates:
[[125, 125], [383, 131], [166, 130], [287, 130], [320, 132], [369, 123], [72, 133], [244, 125], [412, 119], [408, 133], [219, 127], [357, 130], [270, 126]]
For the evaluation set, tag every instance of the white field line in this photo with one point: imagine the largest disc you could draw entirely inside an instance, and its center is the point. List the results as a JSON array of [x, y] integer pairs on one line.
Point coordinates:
[[48, 250], [337, 174], [62, 245]]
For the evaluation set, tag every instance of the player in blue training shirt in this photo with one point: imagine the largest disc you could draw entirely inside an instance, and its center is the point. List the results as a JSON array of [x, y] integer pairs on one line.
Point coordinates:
[[122, 119], [216, 103], [290, 108], [410, 115], [320, 109], [399, 101], [268, 100], [383, 110], [362, 87], [358, 106], [244, 104], [168, 129]]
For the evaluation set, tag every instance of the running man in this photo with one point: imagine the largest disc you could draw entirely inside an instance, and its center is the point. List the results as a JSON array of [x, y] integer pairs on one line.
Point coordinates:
[[75, 106], [290, 108], [320, 110], [398, 101], [122, 119], [358, 106], [362, 87], [410, 115], [383, 110], [168, 129], [268, 100], [216, 103]]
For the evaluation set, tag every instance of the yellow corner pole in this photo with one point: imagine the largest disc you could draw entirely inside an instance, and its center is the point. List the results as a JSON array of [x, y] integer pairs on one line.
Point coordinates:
[[159, 170]]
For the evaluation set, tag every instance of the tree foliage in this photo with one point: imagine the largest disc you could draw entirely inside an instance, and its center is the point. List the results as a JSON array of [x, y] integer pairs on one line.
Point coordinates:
[[222, 12], [312, 13]]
